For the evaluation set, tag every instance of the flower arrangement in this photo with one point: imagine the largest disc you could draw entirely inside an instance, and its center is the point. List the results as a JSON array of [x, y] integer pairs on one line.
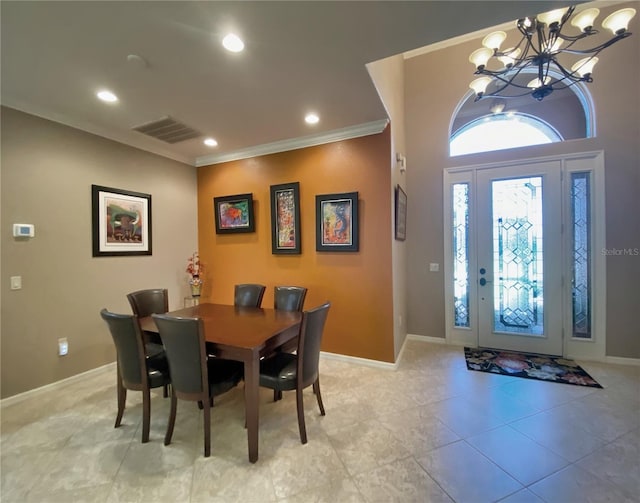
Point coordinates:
[[194, 268]]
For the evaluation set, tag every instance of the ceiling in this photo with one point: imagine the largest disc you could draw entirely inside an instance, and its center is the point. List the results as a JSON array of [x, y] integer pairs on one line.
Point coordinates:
[[299, 56]]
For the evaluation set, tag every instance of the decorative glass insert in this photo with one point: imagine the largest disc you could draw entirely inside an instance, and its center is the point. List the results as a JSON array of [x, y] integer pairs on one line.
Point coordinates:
[[517, 252], [461, 254], [581, 254]]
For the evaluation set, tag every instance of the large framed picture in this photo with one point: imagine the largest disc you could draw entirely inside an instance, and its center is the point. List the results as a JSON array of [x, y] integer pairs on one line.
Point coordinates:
[[121, 222], [401, 214], [285, 218], [337, 222], [234, 214]]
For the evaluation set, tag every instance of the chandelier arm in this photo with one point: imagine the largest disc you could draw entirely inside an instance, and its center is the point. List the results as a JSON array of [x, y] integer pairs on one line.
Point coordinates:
[[497, 94], [567, 74], [598, 48], [575, 38]]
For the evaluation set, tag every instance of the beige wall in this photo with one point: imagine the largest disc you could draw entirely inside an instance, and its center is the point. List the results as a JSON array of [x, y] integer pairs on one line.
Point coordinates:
[[47, 173], [435, 83], [388, 77]]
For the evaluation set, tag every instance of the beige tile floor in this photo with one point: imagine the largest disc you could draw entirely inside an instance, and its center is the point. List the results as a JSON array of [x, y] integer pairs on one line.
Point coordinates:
[[429, 432]]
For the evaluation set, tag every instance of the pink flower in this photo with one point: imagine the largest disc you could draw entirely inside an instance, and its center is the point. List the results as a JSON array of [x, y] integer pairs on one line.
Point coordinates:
[[194, 268]]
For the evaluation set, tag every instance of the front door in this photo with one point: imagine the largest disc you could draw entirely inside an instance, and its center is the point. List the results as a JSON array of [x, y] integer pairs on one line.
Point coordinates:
[[519, 257], [513, 279]]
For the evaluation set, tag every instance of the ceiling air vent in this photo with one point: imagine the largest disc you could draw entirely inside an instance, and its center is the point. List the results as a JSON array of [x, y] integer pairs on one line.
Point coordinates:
[[168, 130]]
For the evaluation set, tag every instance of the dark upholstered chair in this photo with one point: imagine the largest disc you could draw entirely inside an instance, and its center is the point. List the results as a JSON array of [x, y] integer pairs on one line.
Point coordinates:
[[289, 298], [145, 303], [137, 370], [286, 371], [195, 377], [248, 295]]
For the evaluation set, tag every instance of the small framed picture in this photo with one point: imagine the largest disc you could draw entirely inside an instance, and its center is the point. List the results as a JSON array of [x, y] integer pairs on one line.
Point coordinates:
[[337, 222], [121, 222], [401, 214], [285, 218], [234, 214]]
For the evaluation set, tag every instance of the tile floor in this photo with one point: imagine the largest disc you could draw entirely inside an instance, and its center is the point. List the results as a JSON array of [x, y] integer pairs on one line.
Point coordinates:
[[429, 432]]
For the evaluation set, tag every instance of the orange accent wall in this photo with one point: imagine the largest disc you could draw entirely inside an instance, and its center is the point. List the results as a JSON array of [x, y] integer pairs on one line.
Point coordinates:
[[358, 284]]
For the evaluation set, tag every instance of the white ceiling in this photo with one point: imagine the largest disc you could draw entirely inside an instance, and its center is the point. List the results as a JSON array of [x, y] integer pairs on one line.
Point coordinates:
[[299, 56]]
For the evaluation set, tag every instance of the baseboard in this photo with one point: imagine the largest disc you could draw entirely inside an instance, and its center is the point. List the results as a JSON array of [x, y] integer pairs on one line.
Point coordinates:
[[360, 361], [620, 360], [426, 338], [109, 367]]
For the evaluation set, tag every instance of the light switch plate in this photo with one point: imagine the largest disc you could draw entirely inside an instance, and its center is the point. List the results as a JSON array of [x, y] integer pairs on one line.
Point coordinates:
[[433, 267], [16, 282]]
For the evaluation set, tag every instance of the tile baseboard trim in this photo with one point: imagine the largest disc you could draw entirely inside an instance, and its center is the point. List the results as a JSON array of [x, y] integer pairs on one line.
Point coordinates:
[[109, 367]]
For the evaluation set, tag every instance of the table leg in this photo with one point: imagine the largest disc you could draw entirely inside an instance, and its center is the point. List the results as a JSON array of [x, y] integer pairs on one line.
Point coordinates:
[[251, 397]]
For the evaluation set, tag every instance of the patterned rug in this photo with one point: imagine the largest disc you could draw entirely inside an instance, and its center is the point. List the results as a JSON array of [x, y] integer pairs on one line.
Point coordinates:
[[528, 365]]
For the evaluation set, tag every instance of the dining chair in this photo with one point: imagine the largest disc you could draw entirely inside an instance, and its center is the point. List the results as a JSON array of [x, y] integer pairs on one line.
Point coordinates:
[[145, 303], [287, 372], [248, 295], [289, 298], [194, 376], [137, 370]]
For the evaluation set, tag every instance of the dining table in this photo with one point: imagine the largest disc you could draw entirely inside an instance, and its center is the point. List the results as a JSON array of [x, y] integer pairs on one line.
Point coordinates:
[[244, 334]]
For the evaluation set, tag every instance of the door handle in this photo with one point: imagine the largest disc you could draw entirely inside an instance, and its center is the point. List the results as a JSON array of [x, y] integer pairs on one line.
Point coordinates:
[[484, 281]]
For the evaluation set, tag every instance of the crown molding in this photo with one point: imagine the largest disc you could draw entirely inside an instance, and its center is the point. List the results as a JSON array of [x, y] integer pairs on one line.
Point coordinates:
[[347, 133]]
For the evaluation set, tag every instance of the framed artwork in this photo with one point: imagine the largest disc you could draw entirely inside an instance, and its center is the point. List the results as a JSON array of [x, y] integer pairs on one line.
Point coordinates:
[[285, 218], [337, 222], [401, 214], [234, 214], [121, 222]]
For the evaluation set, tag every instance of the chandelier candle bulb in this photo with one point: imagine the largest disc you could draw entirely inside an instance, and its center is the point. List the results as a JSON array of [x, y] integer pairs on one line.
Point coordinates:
[[552, 17], [584, 20], [494, 40], [584, 67], [618, 22]]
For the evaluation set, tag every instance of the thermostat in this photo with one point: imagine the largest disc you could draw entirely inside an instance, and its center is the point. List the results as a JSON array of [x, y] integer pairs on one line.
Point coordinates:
[[23, 230]]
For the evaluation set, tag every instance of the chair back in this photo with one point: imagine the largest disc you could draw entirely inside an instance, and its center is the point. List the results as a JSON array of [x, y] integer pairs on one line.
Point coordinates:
[[128, 340], [248, 295], [147, 302], [309, 341], [289, 298], [183, 340]]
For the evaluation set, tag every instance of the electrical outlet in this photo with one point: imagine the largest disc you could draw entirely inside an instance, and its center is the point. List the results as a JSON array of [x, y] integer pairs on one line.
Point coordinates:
[[63, 346]]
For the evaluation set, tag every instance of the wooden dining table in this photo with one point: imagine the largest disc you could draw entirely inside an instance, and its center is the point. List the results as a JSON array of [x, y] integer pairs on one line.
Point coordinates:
[[244, 334]]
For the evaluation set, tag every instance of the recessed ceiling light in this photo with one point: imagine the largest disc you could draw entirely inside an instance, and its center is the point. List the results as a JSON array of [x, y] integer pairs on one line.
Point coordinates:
[[210, 142], [311, 119], [107, 96], [233, 43]]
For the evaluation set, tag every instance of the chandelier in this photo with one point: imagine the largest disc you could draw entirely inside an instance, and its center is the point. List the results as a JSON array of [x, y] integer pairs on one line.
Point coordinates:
[[537, 54]]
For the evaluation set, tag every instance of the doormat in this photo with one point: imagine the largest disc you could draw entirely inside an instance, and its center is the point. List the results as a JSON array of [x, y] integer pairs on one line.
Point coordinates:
[[528, 365]]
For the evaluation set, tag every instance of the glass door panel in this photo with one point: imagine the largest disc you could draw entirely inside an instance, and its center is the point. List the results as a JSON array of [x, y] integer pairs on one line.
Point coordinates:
[[519, 258]]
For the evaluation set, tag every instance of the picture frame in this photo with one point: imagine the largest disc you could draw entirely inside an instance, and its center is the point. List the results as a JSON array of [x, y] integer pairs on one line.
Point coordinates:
[[121, 222], [401, 214], [337, 222], [234, 214], [285, 219]]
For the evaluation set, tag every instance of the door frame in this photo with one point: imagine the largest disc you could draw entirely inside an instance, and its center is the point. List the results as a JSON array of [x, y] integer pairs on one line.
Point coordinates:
[[592, 162]]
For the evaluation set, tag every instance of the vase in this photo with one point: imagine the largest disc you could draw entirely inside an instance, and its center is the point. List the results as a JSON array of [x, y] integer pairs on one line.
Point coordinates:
[[196, 286]]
